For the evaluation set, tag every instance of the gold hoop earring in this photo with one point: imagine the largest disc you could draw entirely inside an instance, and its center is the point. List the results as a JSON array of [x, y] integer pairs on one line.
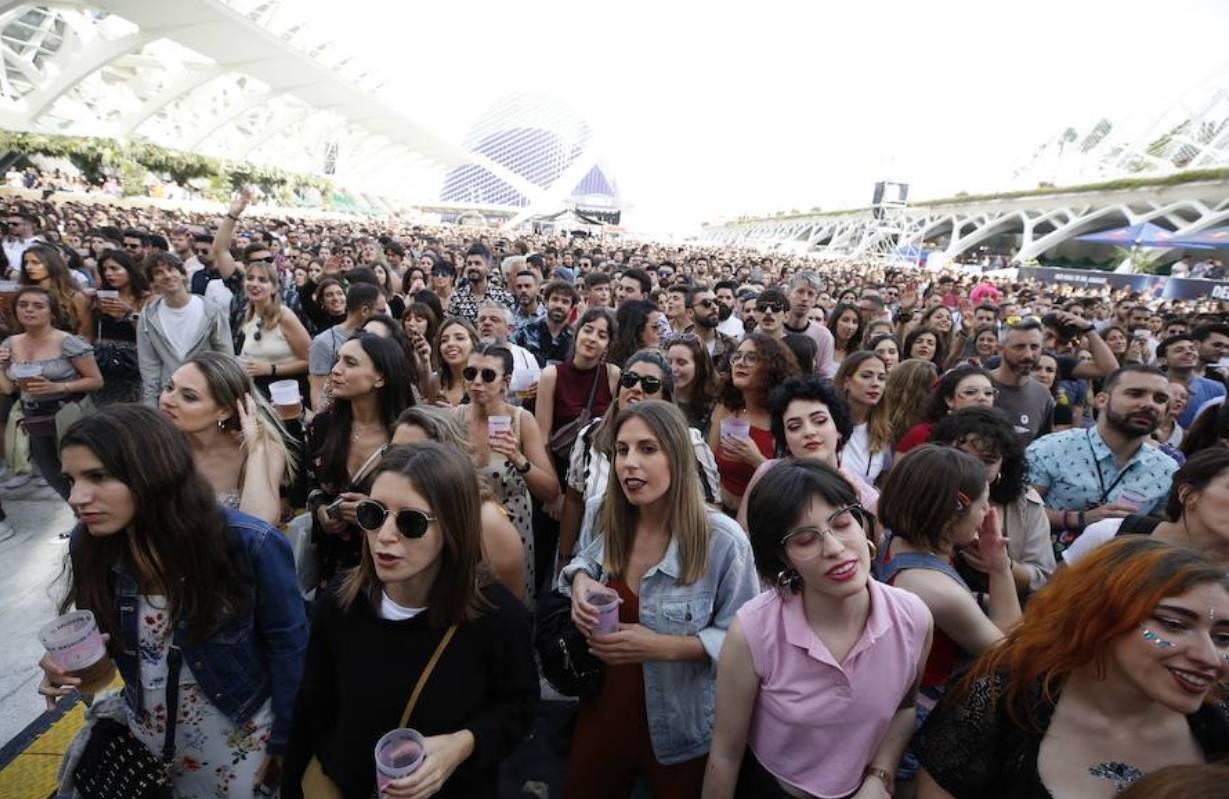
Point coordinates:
[[874, 550]]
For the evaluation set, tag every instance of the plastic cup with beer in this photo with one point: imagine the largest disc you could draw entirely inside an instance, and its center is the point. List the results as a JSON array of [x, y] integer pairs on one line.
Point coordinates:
[[398, 754], [286, 398], [495, 424], [76, 646], [24, 371]]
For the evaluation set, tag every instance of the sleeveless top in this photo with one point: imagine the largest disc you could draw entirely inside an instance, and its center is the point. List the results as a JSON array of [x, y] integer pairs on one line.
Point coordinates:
[[572, 391], [945, 654], [272, 347]]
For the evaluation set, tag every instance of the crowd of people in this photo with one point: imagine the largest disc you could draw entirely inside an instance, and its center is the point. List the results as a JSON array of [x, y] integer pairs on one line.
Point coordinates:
[[870, 531]]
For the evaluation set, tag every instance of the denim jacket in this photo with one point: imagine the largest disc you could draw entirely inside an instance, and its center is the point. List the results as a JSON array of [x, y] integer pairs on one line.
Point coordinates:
[[679, 697], [247, 661]]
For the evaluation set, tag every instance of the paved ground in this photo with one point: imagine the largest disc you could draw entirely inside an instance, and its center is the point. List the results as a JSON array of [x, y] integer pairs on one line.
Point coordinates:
[[29, 564]]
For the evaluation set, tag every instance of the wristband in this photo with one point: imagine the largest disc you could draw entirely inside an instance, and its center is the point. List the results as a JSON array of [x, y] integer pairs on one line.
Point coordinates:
[[272, 370], [232, 217], [1080, 520]]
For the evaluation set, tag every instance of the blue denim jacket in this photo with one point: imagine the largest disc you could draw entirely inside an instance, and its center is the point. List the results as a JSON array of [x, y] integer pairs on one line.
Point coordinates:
[[679, 697], [247, 661]]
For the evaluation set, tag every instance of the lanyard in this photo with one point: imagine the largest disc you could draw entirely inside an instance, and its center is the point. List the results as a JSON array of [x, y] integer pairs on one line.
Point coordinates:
[[1100, 477]]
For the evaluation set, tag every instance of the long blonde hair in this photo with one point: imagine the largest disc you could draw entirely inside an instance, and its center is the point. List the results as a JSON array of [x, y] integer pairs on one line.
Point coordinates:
[[688, 519], [273, 314]]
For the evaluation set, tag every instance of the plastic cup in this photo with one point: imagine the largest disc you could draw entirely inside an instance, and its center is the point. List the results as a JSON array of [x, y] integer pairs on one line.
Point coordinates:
[[89, 291], [22, 372], [496, 423], [108, 294], [74, 643], [398, 754], [8, 286], [735, 428], [286, 398], [607, 604]]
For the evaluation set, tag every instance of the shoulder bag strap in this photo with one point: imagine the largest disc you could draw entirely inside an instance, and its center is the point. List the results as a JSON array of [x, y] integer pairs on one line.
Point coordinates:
[[426, 672], [174, 660], [600, 372], [372, 460]]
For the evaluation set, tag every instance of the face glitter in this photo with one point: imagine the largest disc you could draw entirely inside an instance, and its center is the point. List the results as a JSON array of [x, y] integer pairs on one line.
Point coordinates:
[[1153, 638]]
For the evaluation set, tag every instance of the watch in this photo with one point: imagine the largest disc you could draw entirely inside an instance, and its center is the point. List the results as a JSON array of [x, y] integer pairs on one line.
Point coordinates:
[[524, 470]]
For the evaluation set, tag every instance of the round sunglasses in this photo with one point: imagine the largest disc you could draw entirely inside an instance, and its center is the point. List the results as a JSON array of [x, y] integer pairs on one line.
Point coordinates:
[[471, 373], [371, 514]]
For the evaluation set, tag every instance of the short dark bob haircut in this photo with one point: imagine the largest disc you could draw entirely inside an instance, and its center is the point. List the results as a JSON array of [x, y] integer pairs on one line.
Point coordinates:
[[813, 388]]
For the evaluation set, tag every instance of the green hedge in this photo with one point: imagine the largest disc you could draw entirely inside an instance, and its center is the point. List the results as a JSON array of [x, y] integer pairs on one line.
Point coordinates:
[[95, 156]]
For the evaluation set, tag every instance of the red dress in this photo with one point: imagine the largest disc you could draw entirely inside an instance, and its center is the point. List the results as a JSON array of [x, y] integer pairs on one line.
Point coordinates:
[[735, 474]]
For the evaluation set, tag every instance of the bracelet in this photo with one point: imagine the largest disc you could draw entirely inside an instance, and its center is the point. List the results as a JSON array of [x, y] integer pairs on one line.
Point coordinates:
[[1080, 525], [528, 466], [883, 776], [232, 217], [272, 370]]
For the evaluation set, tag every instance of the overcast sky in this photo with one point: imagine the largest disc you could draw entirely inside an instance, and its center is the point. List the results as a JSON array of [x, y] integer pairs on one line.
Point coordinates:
[[708, 110]]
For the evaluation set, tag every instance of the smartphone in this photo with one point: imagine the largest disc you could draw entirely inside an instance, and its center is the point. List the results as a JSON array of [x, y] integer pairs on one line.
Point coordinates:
[[1140, 334]]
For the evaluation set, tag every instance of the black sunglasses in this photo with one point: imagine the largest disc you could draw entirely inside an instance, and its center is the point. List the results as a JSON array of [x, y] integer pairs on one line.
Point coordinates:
[[267, 260], [472, 372], [650, 384], [705, 303], [371, 514], [771, 307]]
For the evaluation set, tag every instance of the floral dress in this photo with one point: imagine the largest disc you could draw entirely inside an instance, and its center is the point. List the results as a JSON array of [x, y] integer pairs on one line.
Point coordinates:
[[214, 758]]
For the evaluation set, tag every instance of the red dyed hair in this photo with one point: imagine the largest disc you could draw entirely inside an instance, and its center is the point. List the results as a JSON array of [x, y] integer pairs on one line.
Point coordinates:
[[1073, 621]]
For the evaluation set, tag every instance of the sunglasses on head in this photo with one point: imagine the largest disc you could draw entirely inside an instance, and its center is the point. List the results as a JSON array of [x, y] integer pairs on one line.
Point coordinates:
[[650, 384], [471, 373], [371, 514]]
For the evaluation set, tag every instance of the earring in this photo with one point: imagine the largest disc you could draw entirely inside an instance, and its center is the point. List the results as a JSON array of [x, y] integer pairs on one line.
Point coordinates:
[[221, 424], [874, 550], [788, 578]]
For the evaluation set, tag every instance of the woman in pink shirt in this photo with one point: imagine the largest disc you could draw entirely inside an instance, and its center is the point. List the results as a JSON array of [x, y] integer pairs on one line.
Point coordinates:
[[817, 678]]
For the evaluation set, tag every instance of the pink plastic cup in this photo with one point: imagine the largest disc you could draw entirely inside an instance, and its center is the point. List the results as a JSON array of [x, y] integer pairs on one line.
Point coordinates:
[[607, 604], [398, 754]]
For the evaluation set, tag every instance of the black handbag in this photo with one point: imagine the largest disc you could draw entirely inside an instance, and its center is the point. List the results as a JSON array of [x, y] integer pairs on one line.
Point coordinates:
[[115, 765], [567, 664], [117, 359]]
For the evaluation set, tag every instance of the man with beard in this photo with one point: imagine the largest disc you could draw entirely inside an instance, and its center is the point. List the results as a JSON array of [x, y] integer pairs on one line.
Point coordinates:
[[549, 339], [1028, 404], [528, 308], [1108, 471], [804, 290], [477, 290], [730, 324], [703, 310], [1180, 354]]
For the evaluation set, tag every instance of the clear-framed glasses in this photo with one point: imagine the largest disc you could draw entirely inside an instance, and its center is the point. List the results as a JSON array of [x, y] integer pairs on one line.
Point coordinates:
[[973, 392], [749, 358], [844, 524]]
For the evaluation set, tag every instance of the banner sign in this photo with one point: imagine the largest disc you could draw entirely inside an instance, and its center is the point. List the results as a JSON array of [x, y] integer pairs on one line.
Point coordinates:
[[1159, 287]]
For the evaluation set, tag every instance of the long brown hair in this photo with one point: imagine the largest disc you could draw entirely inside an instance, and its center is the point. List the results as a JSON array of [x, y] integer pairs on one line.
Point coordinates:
[[878, 422], [178, 537], [688, 520], [447, 480]]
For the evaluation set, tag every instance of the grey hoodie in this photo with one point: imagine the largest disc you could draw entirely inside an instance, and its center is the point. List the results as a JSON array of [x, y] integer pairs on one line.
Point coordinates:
[[158, 358]]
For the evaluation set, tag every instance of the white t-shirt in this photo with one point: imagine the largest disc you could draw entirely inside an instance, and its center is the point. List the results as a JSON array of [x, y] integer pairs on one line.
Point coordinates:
[[732, 327], [182, 325], [393, 612], [857, 457], [1094, 535]]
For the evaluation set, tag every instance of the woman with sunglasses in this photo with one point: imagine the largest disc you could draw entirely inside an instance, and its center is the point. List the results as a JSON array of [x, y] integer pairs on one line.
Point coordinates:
[[760, 363], [345, 442], [646, 376], [508, 447], [696, 382], [274, 341], [237, 439], [454, 343], [165, 569], [826, 660], [115, 339], [681, 572], [966, 386], [418, 592], [501, 541]]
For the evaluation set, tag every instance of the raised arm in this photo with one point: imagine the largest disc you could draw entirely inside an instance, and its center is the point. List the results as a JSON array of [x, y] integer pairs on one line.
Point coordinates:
[[222, 259]]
